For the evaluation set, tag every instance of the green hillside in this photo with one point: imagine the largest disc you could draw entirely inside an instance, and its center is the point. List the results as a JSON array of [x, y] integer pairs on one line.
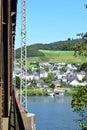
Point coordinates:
[[60, 51], [57, 56], [33, 50]]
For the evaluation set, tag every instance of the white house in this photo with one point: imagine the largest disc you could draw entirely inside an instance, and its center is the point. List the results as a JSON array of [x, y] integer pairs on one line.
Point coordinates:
[[29, 77], [71, 67], [43, 74], [80, 75], [76, 83]]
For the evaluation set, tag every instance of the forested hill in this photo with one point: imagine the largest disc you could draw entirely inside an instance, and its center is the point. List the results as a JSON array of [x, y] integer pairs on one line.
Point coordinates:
[[33, 50]]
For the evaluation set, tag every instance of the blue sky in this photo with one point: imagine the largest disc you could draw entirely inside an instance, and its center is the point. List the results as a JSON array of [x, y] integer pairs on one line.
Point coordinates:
[[52, 20]]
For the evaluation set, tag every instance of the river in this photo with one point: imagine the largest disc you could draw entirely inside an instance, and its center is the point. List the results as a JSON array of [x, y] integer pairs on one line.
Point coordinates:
[[53, 113]]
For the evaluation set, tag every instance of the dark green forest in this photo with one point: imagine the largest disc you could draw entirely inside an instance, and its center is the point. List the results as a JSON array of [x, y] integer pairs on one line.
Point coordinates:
[[33, 50]]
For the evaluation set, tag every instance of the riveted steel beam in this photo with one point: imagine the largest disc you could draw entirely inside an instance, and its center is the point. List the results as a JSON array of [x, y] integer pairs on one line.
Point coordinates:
[[1, 64]]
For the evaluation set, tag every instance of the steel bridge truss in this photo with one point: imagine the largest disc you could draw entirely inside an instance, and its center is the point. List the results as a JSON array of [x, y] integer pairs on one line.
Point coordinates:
[[23, 84]]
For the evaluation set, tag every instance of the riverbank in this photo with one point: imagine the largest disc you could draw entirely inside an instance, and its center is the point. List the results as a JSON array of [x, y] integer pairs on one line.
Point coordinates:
[[70, 93], [46, 92]]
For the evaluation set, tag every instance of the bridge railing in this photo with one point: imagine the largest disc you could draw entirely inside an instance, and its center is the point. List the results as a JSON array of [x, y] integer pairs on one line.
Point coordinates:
[[19, 119]]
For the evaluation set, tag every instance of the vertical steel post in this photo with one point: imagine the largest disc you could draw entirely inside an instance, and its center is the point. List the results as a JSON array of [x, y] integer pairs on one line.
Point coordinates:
[[1, 83], [23, 84], [9, 56]]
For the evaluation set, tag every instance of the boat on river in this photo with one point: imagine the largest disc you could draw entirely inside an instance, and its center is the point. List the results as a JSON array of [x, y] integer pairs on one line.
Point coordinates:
[[56, 94]]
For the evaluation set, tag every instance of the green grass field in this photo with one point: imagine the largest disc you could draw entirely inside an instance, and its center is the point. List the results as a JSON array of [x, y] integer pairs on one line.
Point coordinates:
[[58, 56]]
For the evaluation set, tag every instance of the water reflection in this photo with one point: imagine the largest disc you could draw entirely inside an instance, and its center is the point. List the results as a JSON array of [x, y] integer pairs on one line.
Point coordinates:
[[49, 99]]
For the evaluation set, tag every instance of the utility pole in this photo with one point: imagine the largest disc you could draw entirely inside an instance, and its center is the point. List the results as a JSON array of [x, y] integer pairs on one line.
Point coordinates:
[[23, 80]]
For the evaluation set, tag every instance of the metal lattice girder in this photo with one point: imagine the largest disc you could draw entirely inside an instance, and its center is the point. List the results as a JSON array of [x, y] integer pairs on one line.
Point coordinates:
[[23, 84]]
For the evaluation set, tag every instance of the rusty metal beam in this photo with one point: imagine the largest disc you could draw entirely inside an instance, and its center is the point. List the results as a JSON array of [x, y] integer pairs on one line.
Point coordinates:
[[9, 51], [5, 54], [5, 37], [1, 64]]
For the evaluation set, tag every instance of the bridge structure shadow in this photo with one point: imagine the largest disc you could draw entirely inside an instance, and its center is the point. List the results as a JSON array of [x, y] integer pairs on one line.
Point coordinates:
[[16, 121], [12, 117]]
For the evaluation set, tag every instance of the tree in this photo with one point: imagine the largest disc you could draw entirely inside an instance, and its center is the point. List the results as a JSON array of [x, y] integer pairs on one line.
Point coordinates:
[[63, 69], [80, 49], [83, 67], [69, 39], [17, 82], [50, 78], [46, 68], [79, 100], [79, 104], [52, 86]]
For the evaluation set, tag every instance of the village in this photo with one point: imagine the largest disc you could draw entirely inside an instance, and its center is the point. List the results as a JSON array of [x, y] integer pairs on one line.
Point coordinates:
[[57, 77]]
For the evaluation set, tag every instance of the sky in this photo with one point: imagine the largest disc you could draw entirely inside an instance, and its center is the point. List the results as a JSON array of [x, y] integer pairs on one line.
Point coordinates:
[[48, 21]]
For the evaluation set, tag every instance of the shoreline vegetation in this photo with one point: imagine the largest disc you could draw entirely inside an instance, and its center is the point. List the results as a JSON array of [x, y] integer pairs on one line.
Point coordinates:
[[43, 92]]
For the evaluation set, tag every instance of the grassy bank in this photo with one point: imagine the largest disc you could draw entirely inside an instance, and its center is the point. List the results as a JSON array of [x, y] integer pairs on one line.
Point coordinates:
[[37, 93]]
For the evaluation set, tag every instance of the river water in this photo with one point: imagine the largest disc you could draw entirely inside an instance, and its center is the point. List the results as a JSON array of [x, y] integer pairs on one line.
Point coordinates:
[[53, 113]]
